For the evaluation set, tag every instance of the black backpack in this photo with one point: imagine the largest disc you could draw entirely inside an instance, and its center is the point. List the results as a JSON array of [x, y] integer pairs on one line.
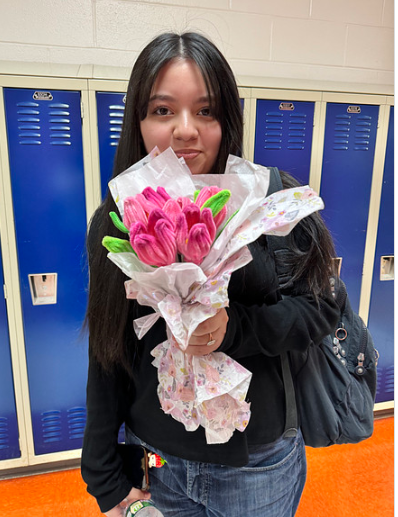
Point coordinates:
[[332, 395]]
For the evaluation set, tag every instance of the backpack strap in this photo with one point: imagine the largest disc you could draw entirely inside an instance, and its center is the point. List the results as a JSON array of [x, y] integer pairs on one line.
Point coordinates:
[[275, 244], [291, 421]]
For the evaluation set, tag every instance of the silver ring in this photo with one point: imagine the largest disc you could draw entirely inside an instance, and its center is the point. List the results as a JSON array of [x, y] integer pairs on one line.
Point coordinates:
[[211, 341]]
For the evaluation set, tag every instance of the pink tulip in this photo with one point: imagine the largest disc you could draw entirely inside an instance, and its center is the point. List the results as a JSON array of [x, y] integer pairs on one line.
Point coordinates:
[[183, 201], [137, 228], [182, 233], [160, 226], [156, 198], [207, 218], [159, 249], [172, 208], [192, 215], [154, 243], [134, 211], [193, 242], [156, 215], [165, 234], [148, 250], [199, 243]]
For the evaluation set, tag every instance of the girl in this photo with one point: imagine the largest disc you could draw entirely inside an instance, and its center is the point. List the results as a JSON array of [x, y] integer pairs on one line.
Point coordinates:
[[182, 94]]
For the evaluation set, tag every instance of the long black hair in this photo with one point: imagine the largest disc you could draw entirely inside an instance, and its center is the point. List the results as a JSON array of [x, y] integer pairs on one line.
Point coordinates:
[[109, 314], [309, 260]]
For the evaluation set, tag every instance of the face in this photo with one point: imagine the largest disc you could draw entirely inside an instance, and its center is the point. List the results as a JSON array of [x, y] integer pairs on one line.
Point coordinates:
[[179, 116]]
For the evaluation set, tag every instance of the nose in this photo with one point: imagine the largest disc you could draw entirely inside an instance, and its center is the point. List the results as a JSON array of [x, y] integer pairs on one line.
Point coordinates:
[[185, 127]]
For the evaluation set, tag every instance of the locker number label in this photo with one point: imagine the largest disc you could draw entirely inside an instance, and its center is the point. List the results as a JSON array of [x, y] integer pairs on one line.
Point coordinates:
[[43, 96], [354, 109], [286, 106]]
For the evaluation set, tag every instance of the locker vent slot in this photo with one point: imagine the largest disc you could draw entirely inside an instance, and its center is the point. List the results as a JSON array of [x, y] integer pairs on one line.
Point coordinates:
[[285, 125], [273, 130], [297, 127], [360, 137], [342, 130], [59, 129], [116, 113], [51, 426], [4, 434], [385, 380], [76, 422], [362, 133], [389, 379], [29, 123]]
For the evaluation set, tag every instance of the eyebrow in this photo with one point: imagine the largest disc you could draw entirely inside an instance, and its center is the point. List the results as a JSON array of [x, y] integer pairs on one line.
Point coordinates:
[[169, 98]]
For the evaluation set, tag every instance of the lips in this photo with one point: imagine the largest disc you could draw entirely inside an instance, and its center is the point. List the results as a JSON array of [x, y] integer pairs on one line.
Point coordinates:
[[187, 154]]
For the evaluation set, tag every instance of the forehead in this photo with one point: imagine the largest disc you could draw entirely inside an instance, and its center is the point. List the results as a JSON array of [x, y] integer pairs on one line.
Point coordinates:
[[182, 75]]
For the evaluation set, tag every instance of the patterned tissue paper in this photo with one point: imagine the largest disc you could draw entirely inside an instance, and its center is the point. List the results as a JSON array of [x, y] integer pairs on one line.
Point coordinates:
[[184, 235]]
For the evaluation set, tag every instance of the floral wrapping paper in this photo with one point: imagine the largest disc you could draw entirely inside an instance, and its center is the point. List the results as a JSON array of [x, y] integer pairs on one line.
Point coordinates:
[[208, 391]]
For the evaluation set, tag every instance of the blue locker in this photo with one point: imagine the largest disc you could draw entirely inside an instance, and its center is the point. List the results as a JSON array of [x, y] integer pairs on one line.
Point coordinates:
[[381, 310], [350, 138], [9, 435], [110, 111], [44, 134], [283, 136]]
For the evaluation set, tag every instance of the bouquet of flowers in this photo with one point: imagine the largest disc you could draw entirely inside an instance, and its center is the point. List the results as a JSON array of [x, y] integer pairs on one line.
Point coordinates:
[[186, 235]]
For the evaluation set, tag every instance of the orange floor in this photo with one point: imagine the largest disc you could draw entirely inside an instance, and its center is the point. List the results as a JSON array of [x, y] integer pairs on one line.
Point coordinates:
[[343, 481], [352, 480]]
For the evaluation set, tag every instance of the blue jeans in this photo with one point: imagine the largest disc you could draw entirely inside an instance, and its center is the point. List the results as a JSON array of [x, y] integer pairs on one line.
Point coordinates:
[[270, 485]]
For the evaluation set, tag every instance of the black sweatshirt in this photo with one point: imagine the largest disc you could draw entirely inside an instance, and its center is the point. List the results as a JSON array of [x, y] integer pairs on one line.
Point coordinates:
[[260, 327]]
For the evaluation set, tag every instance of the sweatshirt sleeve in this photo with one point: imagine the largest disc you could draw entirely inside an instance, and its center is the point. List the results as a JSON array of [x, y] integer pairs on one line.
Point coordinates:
[[102, 463], [293, 323]]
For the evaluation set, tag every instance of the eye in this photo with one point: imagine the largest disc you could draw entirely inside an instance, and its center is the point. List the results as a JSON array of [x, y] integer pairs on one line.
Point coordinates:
[[162, 111], [205, 112]]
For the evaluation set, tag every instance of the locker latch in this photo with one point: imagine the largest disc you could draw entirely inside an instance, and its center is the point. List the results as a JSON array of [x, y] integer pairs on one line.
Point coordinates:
[[387, 267], [43, 288]]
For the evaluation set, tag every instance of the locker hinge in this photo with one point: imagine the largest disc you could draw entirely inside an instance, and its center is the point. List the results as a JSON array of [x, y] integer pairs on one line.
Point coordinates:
[[5, 291], [82, 109]]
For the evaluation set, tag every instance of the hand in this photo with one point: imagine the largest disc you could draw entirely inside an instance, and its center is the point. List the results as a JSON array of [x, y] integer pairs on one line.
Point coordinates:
[[134, 495], [213, 328]]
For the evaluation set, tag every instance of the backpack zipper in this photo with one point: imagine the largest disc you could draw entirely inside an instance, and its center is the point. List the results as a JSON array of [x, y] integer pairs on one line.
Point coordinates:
[[360, 368]]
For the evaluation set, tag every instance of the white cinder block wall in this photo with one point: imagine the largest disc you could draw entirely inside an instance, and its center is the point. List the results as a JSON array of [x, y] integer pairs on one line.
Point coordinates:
[[347, 41]]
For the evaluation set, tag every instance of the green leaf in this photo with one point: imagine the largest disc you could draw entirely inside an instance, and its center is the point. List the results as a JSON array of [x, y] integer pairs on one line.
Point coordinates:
[[217, 202], [117, 222], [115, 245]]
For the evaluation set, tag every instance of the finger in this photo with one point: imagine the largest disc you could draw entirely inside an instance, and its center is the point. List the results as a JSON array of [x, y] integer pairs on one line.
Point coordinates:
[[135, 494], [201, 350], [211, 325], [202, 340]]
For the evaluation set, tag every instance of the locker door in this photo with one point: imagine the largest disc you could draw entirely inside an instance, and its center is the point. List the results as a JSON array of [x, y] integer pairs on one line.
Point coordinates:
[[9, 435], [381, 310], [350, 138], [283, 136], [110, 111], [46, 164]]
